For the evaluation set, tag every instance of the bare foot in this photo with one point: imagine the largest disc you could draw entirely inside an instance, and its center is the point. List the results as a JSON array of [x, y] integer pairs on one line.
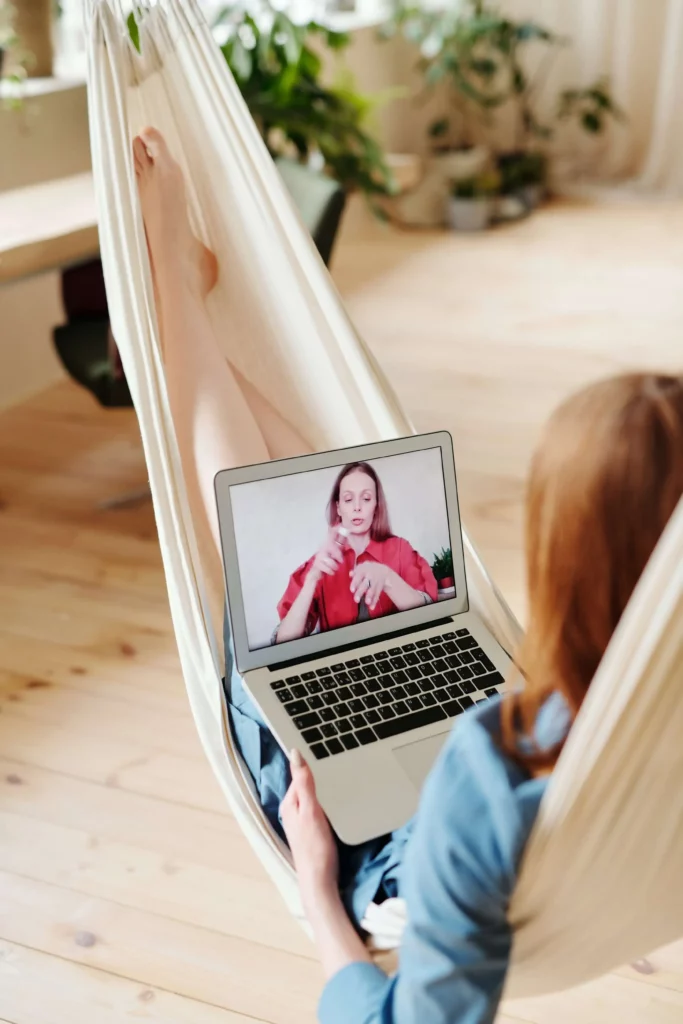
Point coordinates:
[[176, 253]]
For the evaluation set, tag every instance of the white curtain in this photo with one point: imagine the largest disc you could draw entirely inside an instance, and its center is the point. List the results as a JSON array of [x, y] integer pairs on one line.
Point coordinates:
[[639, 45]]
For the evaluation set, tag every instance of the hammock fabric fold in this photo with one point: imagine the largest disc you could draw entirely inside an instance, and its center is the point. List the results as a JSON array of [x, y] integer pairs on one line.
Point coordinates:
[[600, 883]]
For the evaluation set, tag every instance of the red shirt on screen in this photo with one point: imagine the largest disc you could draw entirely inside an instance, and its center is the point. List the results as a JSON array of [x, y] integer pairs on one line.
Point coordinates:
[[333, 603]]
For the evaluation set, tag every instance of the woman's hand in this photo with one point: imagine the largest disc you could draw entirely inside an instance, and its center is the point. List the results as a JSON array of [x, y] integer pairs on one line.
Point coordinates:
[[309, 835], [369, 580], [315, 858], [328, 558]]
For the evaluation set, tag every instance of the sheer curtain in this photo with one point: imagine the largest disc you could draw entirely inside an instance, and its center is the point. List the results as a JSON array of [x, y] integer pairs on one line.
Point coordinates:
[[639, 45]]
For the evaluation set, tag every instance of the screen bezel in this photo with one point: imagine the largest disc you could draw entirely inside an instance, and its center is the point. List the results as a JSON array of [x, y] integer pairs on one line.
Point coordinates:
[[326, 643]]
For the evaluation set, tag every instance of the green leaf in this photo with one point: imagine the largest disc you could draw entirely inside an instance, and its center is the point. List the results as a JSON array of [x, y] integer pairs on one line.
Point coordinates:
[[240, 60], [592, 122], [485, 67], [133, 31], [438, 129], [519, 80], [285, 36], [223, 15], [528, 30], [337, 41], [310, 64], [414, 30], [434, 73]]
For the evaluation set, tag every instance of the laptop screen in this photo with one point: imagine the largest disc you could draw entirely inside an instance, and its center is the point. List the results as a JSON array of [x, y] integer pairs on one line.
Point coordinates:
[[327, 548]]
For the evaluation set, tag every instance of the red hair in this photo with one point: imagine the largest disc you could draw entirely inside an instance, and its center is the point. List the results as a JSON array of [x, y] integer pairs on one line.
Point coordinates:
[[604, 482], [380, 529]]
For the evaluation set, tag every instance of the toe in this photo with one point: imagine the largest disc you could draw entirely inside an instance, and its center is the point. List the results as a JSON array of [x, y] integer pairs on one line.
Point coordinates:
[[155, 143], [140, 155]]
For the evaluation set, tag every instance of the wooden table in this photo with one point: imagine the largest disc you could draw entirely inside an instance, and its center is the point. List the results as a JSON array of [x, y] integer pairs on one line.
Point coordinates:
[[46, 226]]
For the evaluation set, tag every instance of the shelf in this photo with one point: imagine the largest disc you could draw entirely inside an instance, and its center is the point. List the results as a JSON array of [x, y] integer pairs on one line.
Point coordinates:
[[45, 226]]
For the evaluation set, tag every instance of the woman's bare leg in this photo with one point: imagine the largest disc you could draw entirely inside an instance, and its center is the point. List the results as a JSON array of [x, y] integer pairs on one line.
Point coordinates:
[[214, 424], [282, 439]]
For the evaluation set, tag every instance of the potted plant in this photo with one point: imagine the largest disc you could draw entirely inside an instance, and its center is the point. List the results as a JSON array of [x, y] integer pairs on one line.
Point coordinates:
[[470, 207], [524, 173], [478, 58], [280, 75], [442, 567]]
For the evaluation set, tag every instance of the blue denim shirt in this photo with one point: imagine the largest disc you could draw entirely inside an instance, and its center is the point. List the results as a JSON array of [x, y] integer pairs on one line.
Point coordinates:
[[475, 816]]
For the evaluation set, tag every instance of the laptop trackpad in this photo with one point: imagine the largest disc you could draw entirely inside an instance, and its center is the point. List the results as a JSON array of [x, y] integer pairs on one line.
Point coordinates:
[[416, 759]]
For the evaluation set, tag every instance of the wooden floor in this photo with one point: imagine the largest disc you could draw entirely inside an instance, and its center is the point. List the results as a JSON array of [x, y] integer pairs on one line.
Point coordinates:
[[126, 889]]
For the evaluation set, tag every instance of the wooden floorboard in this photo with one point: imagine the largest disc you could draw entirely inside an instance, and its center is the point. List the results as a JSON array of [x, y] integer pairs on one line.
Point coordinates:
[[126, 888]]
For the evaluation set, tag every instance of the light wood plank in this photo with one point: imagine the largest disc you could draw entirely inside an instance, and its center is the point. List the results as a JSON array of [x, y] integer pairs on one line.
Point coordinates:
[[41, 989], [158, 951], [177, 830], [117, 763], [225, 900], [611, 998], [664, 967], [168, 730]]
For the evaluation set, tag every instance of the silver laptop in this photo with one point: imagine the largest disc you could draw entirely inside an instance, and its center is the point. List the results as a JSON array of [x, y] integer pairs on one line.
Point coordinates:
[[348, 601]]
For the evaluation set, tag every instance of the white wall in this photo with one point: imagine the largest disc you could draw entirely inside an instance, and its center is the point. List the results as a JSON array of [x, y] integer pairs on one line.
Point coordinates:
[[46, 139], [280, 523], [29, 309]]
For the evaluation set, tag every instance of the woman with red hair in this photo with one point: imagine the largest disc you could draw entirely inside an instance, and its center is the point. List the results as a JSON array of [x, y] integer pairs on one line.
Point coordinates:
[[361, 571], [605, 480], [604, 483]]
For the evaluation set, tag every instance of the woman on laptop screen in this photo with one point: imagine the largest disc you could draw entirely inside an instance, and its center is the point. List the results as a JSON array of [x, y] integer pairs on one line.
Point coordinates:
[[361, 571]]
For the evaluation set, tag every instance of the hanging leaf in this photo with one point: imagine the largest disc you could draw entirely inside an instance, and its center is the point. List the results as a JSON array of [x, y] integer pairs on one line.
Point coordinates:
[[285, 35], [519, 80], [133, 31], [240, 60], [528, 30], [337, 40], [438, 129], [434, 73], [485, 67], [592, 122]]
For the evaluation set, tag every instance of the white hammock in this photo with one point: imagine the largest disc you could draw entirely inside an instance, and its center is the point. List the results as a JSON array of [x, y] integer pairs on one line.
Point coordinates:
[[601, 880]]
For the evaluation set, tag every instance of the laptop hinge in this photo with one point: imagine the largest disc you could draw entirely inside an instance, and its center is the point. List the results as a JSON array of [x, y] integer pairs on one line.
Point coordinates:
[[360, 643]]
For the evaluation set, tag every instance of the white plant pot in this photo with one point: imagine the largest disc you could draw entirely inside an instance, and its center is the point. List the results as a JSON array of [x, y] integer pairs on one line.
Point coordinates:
[[462, 163], [425, 205], [469, 214], [532, 195]]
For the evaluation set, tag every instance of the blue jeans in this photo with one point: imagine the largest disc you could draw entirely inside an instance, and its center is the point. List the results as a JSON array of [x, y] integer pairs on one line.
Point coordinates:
[[370, 871]]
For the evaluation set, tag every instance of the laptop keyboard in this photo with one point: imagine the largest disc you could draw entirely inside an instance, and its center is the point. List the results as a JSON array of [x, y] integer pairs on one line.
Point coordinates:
[[377, 696]]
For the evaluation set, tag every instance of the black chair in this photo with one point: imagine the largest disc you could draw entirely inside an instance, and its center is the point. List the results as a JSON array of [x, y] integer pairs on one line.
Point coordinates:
[[85, 344], [319, 199]]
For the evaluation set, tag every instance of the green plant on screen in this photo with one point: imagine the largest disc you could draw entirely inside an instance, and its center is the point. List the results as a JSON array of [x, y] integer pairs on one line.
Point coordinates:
[[442, 565]]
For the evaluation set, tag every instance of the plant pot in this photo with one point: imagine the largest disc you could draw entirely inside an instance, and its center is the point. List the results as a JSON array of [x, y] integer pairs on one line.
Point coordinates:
[[456, 164], [532, 195], [425, 204], [447, 583], [469, 214]]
